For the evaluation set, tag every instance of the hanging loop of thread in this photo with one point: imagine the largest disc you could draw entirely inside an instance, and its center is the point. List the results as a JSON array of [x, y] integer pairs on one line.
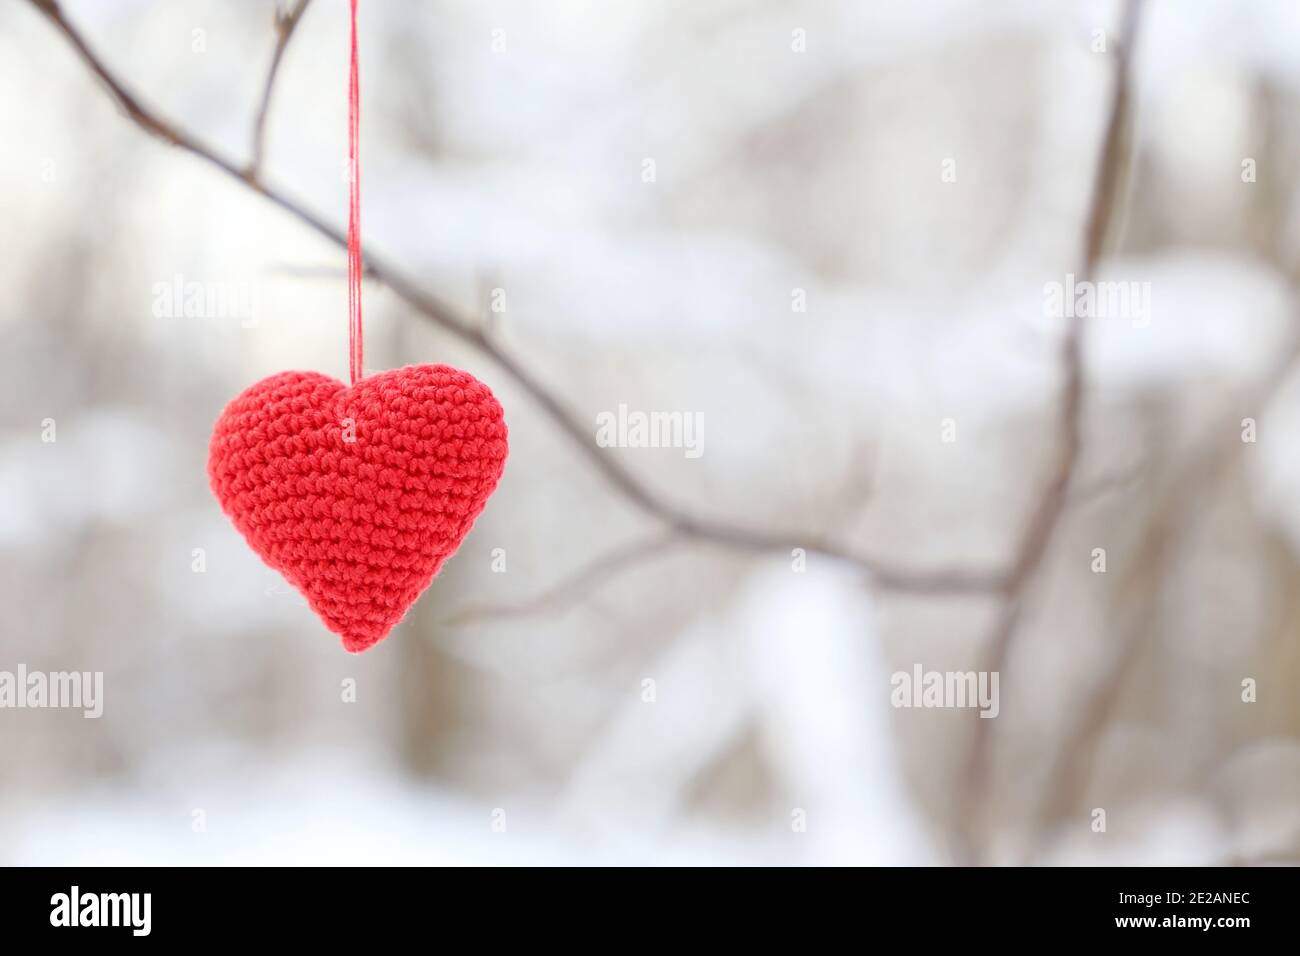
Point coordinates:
[[355, 350]]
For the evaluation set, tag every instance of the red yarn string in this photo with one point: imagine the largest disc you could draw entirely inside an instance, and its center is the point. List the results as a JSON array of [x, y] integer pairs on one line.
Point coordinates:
[[355, 368]]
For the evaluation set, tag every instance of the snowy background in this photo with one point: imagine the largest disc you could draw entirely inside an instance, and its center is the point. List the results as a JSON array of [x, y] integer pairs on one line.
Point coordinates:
[[795, 146]]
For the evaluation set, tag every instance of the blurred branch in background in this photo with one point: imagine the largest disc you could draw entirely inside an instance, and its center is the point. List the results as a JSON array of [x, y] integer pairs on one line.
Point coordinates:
[[581, 582], [286, 21], [1137, 607], [1046, 516], [679, 521]]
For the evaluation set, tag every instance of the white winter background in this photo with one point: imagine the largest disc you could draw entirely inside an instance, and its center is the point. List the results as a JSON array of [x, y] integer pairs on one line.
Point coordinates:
[[504, 146]]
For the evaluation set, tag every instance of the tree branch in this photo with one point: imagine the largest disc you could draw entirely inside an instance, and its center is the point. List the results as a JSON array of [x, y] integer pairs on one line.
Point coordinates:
[[923, 580], [1208, 465], [571, 589], [286, 21], [1045, 520]]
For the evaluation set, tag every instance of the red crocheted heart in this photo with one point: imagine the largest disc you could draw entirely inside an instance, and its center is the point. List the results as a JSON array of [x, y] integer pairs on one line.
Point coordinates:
[[357, 495]]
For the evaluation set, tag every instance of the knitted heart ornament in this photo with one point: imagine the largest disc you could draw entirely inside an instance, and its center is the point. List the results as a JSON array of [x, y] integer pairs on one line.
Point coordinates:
[[357, 495]]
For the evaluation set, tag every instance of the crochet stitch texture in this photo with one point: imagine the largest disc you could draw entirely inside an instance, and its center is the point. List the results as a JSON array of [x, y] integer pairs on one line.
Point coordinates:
[[357, 495]]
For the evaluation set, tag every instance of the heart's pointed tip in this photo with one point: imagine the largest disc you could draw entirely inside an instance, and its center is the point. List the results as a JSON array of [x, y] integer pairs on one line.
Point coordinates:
[[361, 644]]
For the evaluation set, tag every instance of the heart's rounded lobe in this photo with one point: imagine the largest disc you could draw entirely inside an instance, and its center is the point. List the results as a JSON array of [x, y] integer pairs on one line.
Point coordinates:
[[358, 494]]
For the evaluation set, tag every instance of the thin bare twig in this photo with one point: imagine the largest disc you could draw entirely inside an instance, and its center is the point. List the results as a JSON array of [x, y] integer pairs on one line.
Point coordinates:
[[286, 21], [292, 271], [921, 580], [1085, 491], [573, 587], [1208, 466], [1045, 520]]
